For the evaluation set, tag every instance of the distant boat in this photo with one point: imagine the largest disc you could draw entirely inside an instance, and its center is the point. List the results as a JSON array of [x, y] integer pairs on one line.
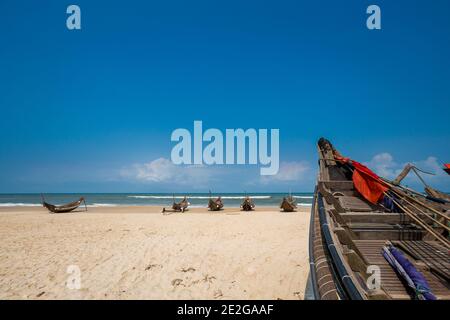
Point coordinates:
[[65, 207], [215, 205], [360, 220], [288, 204], [247, 204], [181, 206]]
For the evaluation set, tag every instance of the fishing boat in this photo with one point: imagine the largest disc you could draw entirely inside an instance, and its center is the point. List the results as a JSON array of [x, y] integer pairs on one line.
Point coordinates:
[[247, 204], [288, 204], [372, 239], [181, 206], [215, 204], [65, 207]]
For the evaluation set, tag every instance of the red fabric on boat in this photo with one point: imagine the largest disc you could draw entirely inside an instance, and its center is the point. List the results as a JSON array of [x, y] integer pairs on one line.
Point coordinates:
[[447, 165], [368, 184]]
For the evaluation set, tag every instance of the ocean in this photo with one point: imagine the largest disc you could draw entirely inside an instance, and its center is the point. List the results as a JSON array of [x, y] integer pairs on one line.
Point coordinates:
[[151, 199]]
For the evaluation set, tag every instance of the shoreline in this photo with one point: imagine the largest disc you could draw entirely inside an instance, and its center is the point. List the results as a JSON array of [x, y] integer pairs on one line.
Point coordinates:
[[151, 209]]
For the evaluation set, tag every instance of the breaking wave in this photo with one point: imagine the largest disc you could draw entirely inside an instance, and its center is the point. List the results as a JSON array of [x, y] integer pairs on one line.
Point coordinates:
[[13, 204], [103, 205], [198, 197]]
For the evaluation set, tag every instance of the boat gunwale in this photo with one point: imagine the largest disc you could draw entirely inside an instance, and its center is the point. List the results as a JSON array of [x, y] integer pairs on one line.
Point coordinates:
[[347, 280], [312, 263]]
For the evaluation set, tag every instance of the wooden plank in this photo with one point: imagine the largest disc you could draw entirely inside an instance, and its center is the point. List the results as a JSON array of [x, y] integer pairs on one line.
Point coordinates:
[[378, 217], [390, 281], [356, 204]]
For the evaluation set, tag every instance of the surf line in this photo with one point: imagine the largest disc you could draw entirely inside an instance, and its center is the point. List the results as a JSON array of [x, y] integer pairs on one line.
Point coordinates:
[[190, 150]]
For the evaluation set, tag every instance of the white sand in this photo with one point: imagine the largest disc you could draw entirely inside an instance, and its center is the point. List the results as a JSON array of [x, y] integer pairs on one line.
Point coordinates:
[[137, 253]]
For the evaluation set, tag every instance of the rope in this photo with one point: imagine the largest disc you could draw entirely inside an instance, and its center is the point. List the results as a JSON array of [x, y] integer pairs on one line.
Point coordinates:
[[420, 222]]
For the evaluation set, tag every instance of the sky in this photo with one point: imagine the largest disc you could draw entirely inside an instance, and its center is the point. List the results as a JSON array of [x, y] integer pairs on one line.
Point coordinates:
[[92, 110]]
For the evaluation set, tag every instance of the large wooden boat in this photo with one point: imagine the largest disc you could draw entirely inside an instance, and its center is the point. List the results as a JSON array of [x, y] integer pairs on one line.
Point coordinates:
[[353, 228]]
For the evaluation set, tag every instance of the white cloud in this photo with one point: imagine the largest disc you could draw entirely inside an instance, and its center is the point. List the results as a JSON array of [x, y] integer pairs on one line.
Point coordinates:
[[164, 171], [226, 177], [384, 165], [290, 172]]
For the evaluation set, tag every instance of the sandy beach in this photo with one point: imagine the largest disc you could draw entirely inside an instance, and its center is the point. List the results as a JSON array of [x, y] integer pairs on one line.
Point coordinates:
[[138, 253]]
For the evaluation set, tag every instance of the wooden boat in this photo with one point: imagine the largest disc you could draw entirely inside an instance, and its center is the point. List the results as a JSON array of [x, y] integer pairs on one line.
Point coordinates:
[[288, 204], [349, 234], [65, 207], [215, 205], [181, 206], [247, 204]]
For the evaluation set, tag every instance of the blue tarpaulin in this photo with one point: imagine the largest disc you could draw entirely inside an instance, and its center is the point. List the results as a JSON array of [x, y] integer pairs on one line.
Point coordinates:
[[411, 275]]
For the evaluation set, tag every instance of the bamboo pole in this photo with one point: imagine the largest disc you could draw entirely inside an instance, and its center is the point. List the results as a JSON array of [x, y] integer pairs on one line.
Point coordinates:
[[423, 205], [429, 216]]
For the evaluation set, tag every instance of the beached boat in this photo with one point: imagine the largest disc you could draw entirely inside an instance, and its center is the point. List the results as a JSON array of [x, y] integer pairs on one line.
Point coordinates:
[[215, 204], [65, 207], [372, 239], [247, 204], [181, 206], [288, 204]]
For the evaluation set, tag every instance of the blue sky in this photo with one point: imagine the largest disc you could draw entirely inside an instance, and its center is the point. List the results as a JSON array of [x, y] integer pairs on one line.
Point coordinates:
[[93, 110]]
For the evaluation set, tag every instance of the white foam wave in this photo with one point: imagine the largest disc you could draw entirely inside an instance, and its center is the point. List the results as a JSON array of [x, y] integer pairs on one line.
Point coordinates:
[[304, 197], [103, 205], [198, 197], [305, 204], [19, 204]]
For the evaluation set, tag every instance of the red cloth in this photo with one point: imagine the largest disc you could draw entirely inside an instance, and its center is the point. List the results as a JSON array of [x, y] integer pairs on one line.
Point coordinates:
[[368, 184]]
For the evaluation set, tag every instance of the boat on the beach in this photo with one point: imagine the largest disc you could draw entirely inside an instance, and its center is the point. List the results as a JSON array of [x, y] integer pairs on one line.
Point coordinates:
[[181, 206], [288, 204], [247, 204], [215, 204], [373, 239], [65, 207]]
